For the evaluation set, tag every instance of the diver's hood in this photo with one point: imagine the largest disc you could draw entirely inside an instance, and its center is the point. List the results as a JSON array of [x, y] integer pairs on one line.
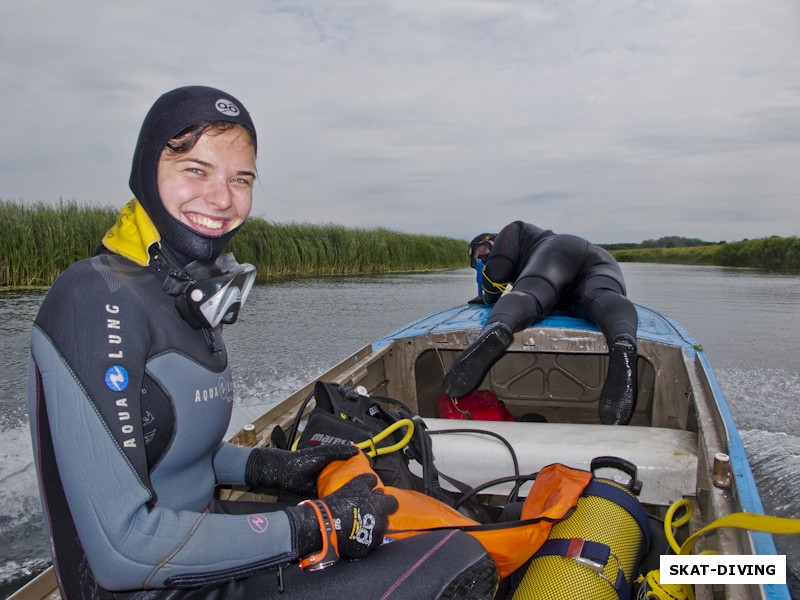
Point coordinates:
[[483, 238], [171, 114]]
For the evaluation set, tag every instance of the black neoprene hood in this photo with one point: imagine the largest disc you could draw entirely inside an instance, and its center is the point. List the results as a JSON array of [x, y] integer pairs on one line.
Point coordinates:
[[483, 238], [171, 114]]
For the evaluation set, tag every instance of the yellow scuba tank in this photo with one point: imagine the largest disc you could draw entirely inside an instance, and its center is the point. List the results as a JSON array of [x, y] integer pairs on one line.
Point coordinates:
[[593, 554]]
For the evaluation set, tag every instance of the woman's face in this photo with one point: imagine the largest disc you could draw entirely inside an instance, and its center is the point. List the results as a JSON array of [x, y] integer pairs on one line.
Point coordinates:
[[210, 187]]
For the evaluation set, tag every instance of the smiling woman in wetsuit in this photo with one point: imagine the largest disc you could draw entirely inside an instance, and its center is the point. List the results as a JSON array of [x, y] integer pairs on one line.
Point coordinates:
[[130, 395], [550, 272]]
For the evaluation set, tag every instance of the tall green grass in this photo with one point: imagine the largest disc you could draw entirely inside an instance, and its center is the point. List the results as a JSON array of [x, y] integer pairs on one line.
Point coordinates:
[[299, 250], [40, 241], [774, 253]]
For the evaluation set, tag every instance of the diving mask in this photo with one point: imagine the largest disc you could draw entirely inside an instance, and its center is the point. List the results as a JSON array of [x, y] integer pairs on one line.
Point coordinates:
[[217, 291], [480, 247]]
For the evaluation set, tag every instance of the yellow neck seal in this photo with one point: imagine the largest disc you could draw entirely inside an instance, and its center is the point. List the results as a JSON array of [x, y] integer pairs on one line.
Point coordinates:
[[133, 234]]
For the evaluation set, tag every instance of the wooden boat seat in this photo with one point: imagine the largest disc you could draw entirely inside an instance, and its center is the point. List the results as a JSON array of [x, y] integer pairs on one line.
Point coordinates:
[[666, 458]]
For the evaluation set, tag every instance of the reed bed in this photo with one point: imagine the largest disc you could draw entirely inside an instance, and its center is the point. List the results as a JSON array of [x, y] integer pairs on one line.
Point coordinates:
[[300, 250], [41, 240], [772, 253]]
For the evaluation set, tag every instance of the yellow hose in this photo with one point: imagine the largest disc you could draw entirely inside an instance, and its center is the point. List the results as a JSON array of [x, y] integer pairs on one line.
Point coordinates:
[[372, 442]]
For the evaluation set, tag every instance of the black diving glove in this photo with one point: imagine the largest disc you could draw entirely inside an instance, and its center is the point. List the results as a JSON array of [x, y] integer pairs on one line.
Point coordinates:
[[294, 472], [360, 515]]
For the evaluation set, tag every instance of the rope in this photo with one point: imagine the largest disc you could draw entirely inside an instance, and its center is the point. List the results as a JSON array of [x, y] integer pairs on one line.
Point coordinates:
[[493, 287]]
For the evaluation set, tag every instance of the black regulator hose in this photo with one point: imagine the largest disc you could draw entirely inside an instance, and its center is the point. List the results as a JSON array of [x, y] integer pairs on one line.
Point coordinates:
[[430, 475]]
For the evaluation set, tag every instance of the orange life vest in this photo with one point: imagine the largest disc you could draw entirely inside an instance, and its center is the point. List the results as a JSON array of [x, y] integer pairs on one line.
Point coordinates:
[[554, 494]]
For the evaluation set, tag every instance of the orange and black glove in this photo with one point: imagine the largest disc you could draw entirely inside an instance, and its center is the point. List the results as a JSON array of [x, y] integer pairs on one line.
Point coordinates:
[[360, 517]]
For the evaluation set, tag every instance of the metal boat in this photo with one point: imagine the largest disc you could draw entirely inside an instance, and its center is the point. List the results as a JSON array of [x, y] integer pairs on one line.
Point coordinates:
[[682, 436]]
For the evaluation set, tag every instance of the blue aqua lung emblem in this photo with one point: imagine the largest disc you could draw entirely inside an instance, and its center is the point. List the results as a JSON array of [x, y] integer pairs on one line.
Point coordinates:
[[117, 378]]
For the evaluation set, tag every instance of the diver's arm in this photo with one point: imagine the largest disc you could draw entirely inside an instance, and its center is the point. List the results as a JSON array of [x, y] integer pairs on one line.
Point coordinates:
[[497, 273], [501, 264], [230, 463]]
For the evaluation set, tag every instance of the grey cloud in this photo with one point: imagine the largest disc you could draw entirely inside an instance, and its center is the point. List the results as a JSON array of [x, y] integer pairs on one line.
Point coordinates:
[[619, 120]]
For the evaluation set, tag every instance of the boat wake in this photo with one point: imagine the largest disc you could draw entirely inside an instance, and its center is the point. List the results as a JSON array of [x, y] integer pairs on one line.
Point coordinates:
[[775, 460], [258, 392], [763, 403], [762, 399], [24, 552]]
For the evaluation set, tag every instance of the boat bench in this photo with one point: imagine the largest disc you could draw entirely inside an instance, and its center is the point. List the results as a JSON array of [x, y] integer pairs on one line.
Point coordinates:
[[666, 459]]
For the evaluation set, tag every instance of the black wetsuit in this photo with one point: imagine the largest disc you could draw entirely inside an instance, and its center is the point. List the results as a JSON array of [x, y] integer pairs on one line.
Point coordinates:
[[552, 272], [128, 409]]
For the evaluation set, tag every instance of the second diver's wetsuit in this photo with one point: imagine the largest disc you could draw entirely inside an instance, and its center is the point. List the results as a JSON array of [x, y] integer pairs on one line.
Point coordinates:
[[555, 272], [552, 272]]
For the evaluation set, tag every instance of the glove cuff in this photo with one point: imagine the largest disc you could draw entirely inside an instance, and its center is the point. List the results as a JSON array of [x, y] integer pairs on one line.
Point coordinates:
[[306, 529], [261, 470], [329, 553]]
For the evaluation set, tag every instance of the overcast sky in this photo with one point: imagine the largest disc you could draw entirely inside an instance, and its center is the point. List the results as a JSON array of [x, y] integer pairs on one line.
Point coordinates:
[[616, 120]]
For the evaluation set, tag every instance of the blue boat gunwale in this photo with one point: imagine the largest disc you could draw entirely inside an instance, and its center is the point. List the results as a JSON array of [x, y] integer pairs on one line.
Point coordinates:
[[653, 326]]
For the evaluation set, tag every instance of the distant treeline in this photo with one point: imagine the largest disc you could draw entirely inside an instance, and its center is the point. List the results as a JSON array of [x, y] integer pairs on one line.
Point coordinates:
[[39, 241], [774, 253], [670, 241]]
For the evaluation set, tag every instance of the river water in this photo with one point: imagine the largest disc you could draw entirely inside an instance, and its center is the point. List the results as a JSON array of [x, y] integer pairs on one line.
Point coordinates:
[[747, 321]]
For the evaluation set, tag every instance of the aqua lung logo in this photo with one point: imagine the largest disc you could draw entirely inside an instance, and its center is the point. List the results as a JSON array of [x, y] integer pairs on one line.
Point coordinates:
[[226, 107], [117, 378], [223, 391]]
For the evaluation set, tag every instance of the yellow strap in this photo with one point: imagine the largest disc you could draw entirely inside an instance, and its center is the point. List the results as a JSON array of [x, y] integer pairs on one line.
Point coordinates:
[[741, 520], [752, 521], [133, 234]]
